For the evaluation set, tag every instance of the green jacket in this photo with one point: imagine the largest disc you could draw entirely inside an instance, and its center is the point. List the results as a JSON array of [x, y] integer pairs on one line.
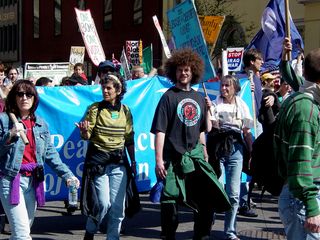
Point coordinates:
[[193, 162]]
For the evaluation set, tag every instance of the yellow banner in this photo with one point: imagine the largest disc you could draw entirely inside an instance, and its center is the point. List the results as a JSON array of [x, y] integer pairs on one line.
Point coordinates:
[[211, 26]]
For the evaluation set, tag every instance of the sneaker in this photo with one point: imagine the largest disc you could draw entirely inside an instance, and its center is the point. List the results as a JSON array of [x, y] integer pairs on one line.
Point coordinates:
[[245, 211], [233, 238], [252, 204]]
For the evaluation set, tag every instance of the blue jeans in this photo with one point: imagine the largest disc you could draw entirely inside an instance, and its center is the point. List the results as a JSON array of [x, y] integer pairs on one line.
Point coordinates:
[[20, 216], [293, 214], [111, 190], [232, 166]]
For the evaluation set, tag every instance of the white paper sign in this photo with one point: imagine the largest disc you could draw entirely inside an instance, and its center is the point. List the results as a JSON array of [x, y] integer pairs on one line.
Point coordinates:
[[90, 36]]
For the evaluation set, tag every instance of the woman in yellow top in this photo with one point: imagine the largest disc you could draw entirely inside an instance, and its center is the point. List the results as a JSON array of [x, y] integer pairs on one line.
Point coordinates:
[[109, 129]]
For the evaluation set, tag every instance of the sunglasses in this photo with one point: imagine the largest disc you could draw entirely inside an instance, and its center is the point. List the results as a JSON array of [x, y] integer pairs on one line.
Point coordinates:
[[27, 94]]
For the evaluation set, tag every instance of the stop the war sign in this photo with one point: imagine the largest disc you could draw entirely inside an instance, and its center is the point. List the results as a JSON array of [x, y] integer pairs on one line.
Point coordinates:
[[234, 58]]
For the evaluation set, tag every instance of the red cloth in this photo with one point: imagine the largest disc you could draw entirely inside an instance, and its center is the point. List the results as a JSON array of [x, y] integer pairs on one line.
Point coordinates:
[[29, 155], [84, 77]]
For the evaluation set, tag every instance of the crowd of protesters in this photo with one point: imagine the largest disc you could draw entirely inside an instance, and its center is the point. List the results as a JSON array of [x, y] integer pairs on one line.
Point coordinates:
[[198, 141]]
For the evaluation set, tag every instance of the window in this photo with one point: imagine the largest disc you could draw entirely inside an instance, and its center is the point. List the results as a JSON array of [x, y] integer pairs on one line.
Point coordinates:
[[14, 37], [1, 39], [5, 38], [36, 18], [137, 12], [57, 17], [107, 16], [10, 34]]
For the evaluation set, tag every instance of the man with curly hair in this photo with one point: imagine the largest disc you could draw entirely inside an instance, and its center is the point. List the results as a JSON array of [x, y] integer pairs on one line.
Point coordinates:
[[181, 157]]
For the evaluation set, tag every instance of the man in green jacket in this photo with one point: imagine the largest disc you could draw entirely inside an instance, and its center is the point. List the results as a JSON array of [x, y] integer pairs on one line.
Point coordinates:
[[297, 148]]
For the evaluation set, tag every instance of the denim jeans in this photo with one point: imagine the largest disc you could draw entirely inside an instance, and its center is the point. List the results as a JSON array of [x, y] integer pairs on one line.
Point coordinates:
[[111, 190], [20, 216], [292, 214], [232, 166]]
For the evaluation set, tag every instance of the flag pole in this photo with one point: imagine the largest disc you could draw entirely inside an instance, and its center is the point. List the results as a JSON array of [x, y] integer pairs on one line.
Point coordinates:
[[288, 33], [206, 94], [253, 105]]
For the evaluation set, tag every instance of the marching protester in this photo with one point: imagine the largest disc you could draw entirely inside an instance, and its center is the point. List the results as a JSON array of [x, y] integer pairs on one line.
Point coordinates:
[[226, 146], [179, 126], [106, 67], [252, 61], [109, 128], [78, 70], [138, 72], [22, 167], [12, 77], [45, 82], [296, 143]]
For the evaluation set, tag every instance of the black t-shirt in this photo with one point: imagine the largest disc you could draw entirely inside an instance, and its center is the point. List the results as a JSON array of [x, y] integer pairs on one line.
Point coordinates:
[[181, 115]]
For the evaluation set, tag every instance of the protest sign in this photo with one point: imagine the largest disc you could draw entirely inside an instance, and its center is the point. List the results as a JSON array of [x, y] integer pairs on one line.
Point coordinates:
[[125, 65], [133, 52], [186, 31], [211, 26], [90, 36], [162, 38], [234, 59], [55, 71], [76, 56]]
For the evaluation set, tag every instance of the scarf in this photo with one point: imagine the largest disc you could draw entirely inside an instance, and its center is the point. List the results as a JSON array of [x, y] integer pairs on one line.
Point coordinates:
[[311, 89], [38, 186]]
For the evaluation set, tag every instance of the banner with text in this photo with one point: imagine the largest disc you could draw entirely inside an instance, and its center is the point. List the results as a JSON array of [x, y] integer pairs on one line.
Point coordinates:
[[186, 31], [55, 71], [75, 100], [90, 36]]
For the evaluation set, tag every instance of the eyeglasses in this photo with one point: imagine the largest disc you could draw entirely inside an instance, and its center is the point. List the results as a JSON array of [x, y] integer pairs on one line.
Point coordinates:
[[27, 94]]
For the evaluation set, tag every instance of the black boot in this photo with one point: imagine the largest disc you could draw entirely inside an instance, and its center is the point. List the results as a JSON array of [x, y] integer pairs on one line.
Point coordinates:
[[88, 236]]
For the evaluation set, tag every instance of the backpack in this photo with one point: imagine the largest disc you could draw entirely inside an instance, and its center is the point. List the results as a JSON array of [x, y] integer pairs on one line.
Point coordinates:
[[264, 164]]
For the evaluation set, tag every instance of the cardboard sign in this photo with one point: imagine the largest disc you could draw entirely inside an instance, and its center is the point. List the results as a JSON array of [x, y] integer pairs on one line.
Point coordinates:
[[90, 36], [211, 26], [76, 56], [133, 52], [55, 71], [186, 31], [163, 39], [234, 59]]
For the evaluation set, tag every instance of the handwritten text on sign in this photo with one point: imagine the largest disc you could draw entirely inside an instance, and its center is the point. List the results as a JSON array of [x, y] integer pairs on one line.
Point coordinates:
[[186, 31], [90, 36]]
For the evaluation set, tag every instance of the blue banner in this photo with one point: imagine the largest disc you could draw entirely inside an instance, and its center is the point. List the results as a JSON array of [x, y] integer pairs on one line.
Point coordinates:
[[61, 107], [186, 32]]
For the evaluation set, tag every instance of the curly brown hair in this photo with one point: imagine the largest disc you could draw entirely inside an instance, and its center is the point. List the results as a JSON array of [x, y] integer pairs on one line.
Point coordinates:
[[184, 57]]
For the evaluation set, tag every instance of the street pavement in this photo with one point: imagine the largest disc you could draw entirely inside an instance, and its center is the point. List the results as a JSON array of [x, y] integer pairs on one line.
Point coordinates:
[[53, 223]]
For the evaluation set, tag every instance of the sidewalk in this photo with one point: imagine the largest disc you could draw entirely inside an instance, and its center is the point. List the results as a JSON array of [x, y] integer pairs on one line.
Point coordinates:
[[52, 223]]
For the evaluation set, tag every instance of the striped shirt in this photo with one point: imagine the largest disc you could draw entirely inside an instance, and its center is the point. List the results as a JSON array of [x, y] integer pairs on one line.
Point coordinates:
[[111, 129], [297, 148]]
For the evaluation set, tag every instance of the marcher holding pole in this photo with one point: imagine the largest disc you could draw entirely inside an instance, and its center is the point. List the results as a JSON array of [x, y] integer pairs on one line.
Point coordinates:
[[22, 166]]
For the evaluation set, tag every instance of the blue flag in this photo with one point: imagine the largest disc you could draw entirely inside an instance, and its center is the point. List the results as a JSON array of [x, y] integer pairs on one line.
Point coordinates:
[[270, 38]]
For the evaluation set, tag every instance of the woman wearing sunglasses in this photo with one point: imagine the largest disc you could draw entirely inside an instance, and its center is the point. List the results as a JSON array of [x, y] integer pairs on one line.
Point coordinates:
[[22, 166]]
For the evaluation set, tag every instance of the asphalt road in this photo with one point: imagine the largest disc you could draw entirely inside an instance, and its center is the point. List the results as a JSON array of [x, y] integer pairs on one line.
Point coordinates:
[[53, 223]]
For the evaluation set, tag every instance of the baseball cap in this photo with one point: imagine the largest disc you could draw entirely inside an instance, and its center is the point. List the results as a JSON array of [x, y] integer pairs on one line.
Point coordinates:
[[106, 64], [268, 77]]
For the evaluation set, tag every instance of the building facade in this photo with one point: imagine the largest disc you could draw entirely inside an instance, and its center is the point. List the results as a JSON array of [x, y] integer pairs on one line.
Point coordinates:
[[44, 31]]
